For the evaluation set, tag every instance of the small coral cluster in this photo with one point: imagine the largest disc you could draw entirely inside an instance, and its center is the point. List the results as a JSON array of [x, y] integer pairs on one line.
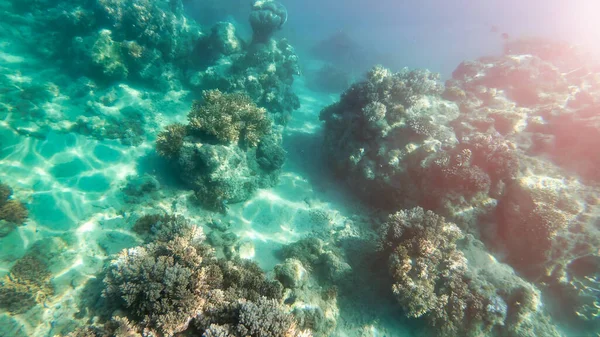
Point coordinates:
[[26, 285], [12, 212], [175, 284], [227, 151], [230, 118], [459, 297]]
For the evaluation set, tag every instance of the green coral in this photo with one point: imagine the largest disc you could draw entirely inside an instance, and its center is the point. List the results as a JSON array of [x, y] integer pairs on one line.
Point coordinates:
[[170, 141], [229, 118]]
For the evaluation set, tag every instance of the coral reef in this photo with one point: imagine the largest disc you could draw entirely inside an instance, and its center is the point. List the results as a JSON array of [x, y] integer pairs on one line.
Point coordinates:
[[170, 141], [391, 136], [327, 263], [218, 155], [175, 284], [313, 308], [111, 40], [503, 151], [541, 97], [455, 288], [265, 71]]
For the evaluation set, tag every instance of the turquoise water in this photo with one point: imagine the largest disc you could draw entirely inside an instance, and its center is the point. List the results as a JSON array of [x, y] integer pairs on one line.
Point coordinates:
[[313, 168]]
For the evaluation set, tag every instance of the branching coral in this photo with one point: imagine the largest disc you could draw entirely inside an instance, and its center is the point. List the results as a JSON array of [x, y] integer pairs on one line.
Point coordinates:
[[170, 141], [175, 279], [27, 284], [12, 211], [458, 295], [262, 318], [244, 279], [117, 327], [162, 284], [227, 151], [427, 268], [229, 118]]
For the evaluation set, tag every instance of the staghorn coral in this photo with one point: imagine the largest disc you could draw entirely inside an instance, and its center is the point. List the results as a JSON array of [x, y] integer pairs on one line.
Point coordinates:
[[175, 284], [229, 118], [166, 227], [170, 141]]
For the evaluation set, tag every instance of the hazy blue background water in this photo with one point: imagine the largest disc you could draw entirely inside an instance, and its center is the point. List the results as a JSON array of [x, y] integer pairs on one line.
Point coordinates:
[[430, 34]]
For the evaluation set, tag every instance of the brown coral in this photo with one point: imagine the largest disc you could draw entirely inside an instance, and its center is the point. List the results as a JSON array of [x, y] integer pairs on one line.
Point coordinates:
[[170, 141], [26, 285], [429, 272], [13, 211], [229, 118], [163, 284], [5, 193]]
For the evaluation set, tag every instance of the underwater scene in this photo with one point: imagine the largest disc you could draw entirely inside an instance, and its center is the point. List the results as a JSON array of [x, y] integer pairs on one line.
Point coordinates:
[[263, 168]]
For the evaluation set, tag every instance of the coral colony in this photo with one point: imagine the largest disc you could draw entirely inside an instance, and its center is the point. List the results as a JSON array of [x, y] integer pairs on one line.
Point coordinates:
[[162, 179]]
